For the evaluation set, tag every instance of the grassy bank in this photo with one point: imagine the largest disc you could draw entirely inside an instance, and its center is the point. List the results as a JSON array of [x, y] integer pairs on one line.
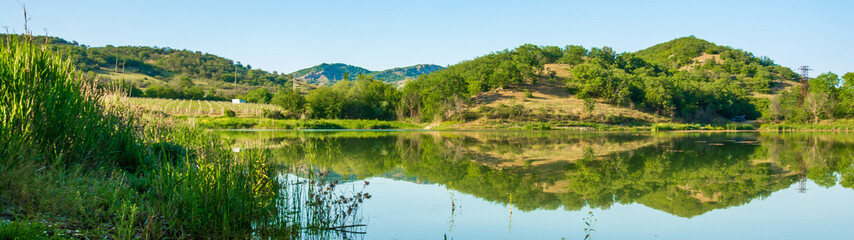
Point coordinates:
[[534, 125], [827, 125], [266, 123], [659, 127], [76, 163]]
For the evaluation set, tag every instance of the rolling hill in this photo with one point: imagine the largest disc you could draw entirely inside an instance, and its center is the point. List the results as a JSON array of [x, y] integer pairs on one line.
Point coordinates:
[[175, 73], [686, 79], [326, 73], [405, 73], [214, 77]]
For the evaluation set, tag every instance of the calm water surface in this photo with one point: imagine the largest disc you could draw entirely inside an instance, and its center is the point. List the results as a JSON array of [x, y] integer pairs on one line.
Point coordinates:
[[542, 185]]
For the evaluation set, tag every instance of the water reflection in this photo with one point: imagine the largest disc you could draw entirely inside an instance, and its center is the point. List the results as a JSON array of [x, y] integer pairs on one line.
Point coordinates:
[[685, 174]]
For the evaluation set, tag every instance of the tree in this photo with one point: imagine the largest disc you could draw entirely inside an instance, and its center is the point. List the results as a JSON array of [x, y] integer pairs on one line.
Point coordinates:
[[816, 104], [824, 83], [194, 93], [324, 102], [775, 109], [604, 56], [260, 95], [589, 105], [573, 55], [289, 100], [845, 108], [185, 82], [848, 80], [824, 90]]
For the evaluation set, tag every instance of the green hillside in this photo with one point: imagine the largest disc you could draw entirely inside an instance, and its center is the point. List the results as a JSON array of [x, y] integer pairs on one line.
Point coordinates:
[[404, 73], [327, 74], [691, 53], [160, 62], [164, 72], [684, 80], [688, 78]]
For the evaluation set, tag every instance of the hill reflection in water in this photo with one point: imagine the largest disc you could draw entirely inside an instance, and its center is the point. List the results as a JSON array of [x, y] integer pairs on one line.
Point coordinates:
[[683, 174]]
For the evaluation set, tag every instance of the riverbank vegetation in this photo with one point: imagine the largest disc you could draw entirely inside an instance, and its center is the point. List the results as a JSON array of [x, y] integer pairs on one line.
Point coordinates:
[[77, 162], [266, 123], [826, 97]]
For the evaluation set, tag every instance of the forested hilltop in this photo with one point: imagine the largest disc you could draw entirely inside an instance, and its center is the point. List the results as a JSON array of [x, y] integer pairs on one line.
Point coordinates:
[[331, 73], [687, 79], [163, 72], [170, 72], [161, 62]]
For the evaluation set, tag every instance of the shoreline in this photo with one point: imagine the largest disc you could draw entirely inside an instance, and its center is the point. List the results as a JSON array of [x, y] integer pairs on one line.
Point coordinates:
[[262, 124]]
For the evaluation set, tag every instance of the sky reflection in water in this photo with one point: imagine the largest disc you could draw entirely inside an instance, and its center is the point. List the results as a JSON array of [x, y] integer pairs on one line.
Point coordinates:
[[539, 185]]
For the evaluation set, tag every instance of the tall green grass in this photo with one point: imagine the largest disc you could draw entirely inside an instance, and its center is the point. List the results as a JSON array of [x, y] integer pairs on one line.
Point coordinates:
[[80, 160], [46, 109]]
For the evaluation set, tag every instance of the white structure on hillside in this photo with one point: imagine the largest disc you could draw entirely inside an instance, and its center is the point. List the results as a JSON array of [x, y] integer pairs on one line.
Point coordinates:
[[238, 101]]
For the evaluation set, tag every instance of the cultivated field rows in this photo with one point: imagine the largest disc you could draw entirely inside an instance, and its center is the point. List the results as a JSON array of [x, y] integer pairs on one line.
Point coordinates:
[[183, 107]]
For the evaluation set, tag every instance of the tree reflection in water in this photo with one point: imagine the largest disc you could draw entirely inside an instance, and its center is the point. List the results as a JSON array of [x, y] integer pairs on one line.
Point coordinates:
[[683, 174]]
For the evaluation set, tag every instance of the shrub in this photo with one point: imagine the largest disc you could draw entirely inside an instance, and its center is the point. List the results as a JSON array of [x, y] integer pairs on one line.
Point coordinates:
[[273, 114], [229, 113], [467, 115]]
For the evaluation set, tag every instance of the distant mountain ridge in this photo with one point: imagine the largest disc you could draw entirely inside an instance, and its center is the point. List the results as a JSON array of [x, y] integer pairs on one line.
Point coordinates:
[[330, 73]]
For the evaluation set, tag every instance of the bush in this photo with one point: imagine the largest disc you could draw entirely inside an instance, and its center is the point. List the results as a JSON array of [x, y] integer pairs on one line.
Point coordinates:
[[503, 111], [538, 126], [229, 113], [273, 114], [467, 115]]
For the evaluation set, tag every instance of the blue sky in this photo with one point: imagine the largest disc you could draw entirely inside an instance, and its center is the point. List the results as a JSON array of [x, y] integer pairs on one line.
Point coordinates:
[[286, 36]]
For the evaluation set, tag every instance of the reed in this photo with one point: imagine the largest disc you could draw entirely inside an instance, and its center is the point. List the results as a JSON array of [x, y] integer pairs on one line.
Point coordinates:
[[86, 163], [47, 109]]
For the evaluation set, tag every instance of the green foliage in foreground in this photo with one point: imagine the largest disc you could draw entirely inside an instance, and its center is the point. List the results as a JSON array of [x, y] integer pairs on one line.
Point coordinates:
[[23, 230], [73, 158]]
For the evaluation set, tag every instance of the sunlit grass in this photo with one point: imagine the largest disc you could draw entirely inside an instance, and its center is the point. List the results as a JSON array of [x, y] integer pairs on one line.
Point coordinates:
[[84, 163]]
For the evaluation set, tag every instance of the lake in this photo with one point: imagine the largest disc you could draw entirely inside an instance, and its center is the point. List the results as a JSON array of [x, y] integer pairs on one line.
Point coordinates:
[[552, 184]]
